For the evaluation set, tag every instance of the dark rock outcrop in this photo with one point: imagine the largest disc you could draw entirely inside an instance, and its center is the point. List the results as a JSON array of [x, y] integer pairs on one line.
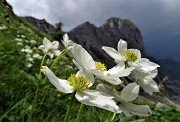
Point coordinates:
[[173, 86], [42, 25], [92, 38]]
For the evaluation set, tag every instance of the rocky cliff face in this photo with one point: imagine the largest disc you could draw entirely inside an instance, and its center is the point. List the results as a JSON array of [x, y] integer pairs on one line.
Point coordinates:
[[92, 38], [42, 25]]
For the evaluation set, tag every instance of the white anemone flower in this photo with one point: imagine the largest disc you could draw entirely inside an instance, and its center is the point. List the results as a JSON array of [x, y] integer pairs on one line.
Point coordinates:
[[131, 56], [145, 80], [50, 47], [32, 42], [83, 60], [29, 65], [23, 36], [30, 59], [67, 42], [37, 56], [18, 39], [145, 70], [122, 53], [19, 43], [3, 27], [80, 84], [144, 65], [26, 50], [127, 95]]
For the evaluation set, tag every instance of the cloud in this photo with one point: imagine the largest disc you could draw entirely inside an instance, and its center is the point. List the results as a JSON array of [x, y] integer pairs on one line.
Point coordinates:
[[149, 15], [30, 8], [158, 20]]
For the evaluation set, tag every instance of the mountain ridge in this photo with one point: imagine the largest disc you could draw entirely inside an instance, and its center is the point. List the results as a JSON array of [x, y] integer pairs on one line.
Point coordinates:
[[92, 38]]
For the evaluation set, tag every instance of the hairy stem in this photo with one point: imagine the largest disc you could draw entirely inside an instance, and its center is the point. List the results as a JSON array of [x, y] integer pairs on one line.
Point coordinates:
[[80, 113], [69, 108]]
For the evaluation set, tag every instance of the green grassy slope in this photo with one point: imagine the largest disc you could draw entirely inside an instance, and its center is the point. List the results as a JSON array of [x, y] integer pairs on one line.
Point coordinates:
[[18, 81]]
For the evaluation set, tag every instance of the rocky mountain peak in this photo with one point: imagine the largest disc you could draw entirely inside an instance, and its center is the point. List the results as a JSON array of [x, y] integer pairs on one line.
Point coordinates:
[[92, 38], [114, 22], [86, 26], [42, 24]]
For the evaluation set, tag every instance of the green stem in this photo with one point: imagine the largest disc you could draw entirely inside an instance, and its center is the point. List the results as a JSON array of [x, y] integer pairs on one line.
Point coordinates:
[[107, 119], [58, 57], [33, 106], [80, 113], [113, 117], [69, 108], [43, 62]]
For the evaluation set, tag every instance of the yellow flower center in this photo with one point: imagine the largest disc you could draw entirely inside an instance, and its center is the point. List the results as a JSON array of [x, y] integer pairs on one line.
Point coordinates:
[[130, 56], [78, 83], [100, 66]]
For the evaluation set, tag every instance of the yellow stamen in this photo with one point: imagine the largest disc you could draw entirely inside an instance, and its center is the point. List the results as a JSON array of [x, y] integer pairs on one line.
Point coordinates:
[[130, 56], [100, 66], [59, 94], [78, 83]]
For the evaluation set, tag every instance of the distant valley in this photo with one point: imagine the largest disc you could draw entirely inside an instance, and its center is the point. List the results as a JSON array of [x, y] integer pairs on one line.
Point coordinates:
[[163, 46], [170, 68]]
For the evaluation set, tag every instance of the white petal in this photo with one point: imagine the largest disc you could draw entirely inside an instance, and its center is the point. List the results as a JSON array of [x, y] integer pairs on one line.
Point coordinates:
[[119, 67], [109, 78], [47, 44], [88, 75], [124, 110], [61, 85], [127, 108], [51, 54], [147, 65], [65, 37], [134, 64], [149, 85], [97, 99], [137, 52], [66, 42], [41, 47], [113, 53], [130, 92], [153, 73], [106, 89], [77, 65], [120, 71], [82, 57], [140, 110], [122, 46], [55, 45], [125, 72], [56, 52]]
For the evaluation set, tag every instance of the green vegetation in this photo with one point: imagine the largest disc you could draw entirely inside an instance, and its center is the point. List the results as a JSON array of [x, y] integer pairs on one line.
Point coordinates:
[[128, 22], [24, 95]]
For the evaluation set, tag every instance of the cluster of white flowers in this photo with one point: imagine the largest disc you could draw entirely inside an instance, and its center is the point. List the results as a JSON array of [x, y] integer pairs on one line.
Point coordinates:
[[3, 27], [129, 64], [28, 47]]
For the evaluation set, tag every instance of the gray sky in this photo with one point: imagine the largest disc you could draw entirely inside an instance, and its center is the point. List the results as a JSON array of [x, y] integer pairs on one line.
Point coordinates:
[[149, 15]]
